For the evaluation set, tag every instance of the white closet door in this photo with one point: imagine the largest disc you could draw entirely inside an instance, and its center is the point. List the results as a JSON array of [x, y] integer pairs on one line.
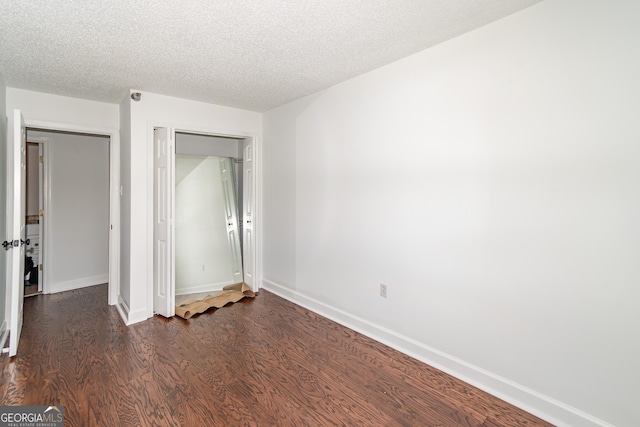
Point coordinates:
[[248, 206], [16, 193], [163, 222], [231, 216]]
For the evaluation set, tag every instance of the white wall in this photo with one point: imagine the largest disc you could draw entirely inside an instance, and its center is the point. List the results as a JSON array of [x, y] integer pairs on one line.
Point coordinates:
[[137, 217], [124, 290], [279, 186], [492, 183], [206, 145], [33, 180], [63, 109], [3, 206], [77, 252]]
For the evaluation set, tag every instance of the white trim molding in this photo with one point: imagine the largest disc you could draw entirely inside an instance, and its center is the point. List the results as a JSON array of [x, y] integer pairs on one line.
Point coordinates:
[[123, 309], [257, 220], [518, 395], [137, 316], [130, 317], [83, 282], [114, 199], [4, 333]]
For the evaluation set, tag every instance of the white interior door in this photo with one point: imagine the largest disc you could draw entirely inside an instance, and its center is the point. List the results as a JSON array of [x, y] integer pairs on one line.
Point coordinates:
[[40, 259], [248, 206], [16, 193], [163, 221], [231, 216]]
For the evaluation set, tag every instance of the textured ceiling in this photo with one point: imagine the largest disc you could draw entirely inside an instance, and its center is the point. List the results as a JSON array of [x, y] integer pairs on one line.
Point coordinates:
[[251, 54]]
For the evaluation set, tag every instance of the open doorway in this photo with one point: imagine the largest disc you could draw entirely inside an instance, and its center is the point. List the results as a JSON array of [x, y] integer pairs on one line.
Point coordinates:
[[16, 219], [68, 208], [34, 226]]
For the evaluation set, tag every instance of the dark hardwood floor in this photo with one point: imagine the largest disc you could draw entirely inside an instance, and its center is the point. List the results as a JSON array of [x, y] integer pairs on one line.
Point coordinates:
[[30, 290], [259, 362]]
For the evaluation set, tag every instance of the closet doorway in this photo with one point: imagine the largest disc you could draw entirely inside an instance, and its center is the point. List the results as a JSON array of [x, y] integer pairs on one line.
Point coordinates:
[[204, 202]]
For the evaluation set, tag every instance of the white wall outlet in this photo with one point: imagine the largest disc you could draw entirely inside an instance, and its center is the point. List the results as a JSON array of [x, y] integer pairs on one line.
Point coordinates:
[[383, 290]]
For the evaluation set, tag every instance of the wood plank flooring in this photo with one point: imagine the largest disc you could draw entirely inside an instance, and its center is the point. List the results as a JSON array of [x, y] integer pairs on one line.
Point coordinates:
[[259, 362]]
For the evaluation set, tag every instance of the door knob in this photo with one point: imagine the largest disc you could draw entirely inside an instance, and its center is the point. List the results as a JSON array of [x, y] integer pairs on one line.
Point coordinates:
[[11, 244]]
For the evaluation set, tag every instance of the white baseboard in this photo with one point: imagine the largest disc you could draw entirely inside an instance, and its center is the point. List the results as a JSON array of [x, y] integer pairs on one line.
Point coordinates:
[[137, 316], [130, 317], [518, 395], [123, 309], [82, 282], [4, 333], [203, 288]]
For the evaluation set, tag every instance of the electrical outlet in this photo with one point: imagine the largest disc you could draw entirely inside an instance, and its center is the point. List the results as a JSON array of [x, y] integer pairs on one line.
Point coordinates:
[[383, 290]]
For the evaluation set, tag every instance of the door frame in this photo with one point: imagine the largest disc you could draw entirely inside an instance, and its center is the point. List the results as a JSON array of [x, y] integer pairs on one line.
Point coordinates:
[[43, 152], [257, 182], [114, 196], [45, 179]]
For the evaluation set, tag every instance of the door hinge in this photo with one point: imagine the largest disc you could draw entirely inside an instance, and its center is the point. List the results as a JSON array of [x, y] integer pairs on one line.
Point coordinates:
[[40, 267], [41, 159], [42, 213]]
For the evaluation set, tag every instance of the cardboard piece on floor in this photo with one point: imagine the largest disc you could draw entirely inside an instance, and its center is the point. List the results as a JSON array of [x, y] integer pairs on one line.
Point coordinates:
[[230, 293]]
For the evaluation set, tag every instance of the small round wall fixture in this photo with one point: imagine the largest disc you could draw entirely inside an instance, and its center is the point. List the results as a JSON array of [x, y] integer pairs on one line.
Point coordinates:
[[136, 96]]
